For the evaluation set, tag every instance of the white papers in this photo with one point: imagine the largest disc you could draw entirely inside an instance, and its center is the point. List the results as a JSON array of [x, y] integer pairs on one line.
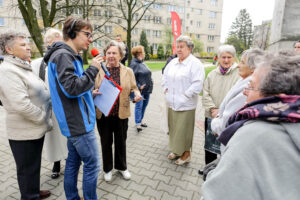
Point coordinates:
[[107, 99]]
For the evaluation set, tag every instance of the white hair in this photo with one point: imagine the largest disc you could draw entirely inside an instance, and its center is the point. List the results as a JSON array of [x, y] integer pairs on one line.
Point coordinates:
[[226, 49]]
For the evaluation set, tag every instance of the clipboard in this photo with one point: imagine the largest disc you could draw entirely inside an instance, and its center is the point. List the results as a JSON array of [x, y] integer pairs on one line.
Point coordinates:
[[110, 93]]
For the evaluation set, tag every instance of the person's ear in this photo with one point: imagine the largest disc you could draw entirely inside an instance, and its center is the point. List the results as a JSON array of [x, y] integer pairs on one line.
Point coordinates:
[[9, 50]]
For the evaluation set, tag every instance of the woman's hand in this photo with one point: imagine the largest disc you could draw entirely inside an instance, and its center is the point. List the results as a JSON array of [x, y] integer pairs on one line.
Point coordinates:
[[142, 87], [214, 112], [96, 92], [137, 98]]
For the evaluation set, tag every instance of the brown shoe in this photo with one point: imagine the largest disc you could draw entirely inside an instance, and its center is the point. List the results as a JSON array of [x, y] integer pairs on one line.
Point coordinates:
[[44, 194]]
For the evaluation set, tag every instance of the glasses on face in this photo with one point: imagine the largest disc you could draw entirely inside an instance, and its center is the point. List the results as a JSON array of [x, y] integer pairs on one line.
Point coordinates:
[[87, 34], [250, 88]]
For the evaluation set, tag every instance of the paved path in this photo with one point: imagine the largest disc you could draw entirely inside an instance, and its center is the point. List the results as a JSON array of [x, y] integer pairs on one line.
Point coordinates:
[[153, 175]]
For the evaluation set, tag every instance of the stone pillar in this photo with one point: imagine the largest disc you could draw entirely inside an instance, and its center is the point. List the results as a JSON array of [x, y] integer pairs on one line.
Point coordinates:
[[285, 28]]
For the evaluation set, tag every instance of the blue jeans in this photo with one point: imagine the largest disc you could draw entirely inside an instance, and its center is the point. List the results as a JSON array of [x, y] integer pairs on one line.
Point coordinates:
[[82, 148], [140, 108]]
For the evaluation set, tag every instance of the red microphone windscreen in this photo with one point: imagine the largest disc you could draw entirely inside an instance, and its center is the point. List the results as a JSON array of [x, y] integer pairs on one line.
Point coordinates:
[[94, 52]]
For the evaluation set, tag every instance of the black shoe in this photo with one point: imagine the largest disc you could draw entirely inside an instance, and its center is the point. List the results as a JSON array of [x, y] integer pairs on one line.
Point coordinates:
[[139, 129], [55, 175], [200, 172], [144, 125]]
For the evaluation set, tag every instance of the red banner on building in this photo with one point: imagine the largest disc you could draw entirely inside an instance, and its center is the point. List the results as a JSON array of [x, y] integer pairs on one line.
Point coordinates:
[[176, 26]]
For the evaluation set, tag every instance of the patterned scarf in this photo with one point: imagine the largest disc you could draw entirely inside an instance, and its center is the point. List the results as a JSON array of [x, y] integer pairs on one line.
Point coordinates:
[[281, 108], [223, 70]]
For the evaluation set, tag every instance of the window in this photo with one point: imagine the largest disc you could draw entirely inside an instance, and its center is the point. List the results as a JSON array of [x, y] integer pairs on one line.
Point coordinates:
[[211, 37], [181, 10], [97, 28], [77, 11], [211, 26], [191, 22], [171, 8], [135, 31], [108, 13], [157, 20], [97, 44], [157, 6], [1, 3], [210, 49], [188, 15], [97, 12], [108, 29], [213, 2], [212, 14], [156, 34], [169, 21], [200, 1], [2, 21], [198, 36], [134, 44], [192, 9], [155, 46], [199, 11], [147, 18], [198, 23], [135, 17], [119, 21], [148, 32], [108, 1]]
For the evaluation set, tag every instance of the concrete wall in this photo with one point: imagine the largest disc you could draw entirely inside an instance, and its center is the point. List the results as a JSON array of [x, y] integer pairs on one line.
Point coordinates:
[[285, 25]]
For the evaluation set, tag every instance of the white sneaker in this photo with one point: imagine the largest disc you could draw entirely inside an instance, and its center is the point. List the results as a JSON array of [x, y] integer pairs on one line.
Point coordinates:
[[126, 174], [108, 176]]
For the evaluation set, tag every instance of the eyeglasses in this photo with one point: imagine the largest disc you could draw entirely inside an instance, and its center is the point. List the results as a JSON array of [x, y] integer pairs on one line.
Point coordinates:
[[87, 34], [248, 88]]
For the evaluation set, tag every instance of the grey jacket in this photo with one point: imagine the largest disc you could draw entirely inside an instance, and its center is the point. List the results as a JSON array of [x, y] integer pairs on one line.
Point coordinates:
[[261, 162]]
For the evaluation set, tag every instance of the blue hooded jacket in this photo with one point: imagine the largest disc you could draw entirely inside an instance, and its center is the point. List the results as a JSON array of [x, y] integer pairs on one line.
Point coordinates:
[[70, 89]]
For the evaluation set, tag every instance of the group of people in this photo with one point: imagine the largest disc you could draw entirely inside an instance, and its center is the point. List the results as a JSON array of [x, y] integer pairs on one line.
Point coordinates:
[[251, 113]]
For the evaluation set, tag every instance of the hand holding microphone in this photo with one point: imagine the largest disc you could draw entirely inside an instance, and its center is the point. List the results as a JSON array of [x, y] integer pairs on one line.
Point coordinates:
[[99, 60]]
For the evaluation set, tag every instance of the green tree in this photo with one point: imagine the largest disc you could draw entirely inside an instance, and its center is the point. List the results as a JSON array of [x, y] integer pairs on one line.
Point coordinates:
[[242, 30], [198, 47], [160, 51], [145, 44], [234, 41]]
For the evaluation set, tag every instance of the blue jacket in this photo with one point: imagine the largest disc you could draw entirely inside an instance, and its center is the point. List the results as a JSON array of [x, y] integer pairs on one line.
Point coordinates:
[[70, 89]]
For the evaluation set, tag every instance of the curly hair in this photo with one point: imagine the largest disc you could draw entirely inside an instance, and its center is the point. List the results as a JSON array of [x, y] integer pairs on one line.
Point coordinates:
[[8, 39], [112, 43]]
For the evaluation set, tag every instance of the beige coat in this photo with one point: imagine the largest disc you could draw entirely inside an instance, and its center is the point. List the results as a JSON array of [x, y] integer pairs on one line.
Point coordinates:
[[128, 84], [26, 100], [216, 86]]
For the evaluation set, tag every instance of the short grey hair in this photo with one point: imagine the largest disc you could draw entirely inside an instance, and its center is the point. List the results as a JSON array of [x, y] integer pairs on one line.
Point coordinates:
[[282, 76], [51, 34], [186, 39], [252, 57], [117, 44], [8, 39], [226, 49]]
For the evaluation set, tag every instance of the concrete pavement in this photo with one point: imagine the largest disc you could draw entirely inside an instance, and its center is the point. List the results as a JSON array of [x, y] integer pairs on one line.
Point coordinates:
[[153, 175]]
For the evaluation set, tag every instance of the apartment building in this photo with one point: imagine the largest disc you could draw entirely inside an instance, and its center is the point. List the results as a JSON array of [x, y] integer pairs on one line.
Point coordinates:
[[201, 20]]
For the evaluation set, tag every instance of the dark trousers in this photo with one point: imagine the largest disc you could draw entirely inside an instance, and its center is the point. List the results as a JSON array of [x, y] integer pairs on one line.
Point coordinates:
[[56, 166], [209, 156], [27, 155], [113, 129]]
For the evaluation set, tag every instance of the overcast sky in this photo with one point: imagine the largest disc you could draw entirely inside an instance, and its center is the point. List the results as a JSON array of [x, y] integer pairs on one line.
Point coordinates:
[[259, 11]]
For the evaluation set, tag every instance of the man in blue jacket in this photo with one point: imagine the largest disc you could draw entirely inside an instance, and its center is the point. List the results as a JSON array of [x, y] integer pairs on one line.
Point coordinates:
[[71, 95]]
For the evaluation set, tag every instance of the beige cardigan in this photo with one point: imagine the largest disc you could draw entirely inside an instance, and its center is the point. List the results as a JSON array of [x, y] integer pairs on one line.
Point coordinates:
[[128, 84], [26, 100], [216, 86]]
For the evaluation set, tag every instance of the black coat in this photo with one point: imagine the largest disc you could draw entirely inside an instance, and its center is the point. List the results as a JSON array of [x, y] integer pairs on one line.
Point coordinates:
[[142, 75]]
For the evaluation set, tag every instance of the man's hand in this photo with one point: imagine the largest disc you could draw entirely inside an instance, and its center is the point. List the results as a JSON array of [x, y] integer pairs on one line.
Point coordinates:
[[137, 98], [96, 92], [96, 62], [214, 112]]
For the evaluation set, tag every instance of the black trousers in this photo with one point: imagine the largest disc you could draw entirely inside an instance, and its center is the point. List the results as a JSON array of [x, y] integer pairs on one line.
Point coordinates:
[[27, 155], [113, 129], [209, 156]]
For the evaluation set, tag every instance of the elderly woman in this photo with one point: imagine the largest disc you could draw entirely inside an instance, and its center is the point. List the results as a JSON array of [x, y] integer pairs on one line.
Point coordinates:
[[235, 99], [55, 142], [143, 81], [216, 86], [114, 127], [182, 82], [262, 139], [27, 103]]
